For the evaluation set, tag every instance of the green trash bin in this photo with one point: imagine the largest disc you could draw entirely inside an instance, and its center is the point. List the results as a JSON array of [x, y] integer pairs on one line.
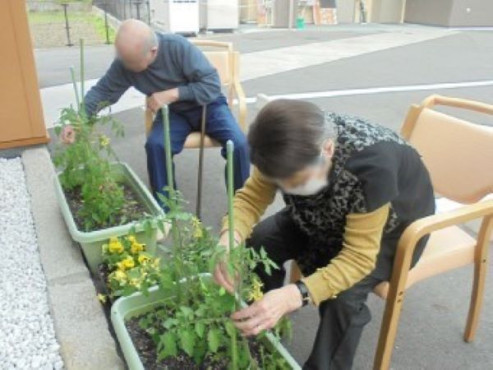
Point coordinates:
[[300, 23]]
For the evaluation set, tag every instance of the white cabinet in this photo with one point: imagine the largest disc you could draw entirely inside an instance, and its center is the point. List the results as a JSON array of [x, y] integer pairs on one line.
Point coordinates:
[[176, 16]]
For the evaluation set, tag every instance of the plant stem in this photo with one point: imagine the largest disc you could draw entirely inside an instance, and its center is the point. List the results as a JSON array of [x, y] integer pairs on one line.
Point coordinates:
[[172, 198], [74, 84], [229, 158]]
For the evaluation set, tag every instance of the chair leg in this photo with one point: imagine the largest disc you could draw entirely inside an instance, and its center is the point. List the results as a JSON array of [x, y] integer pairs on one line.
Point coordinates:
[[480, 269], [388, 330], [295, 273]]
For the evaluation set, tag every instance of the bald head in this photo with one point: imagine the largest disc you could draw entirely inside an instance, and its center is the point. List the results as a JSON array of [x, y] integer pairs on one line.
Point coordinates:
[[136, 44]]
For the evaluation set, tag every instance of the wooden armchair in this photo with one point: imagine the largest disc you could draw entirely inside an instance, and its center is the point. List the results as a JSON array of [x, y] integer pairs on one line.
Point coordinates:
[[459, 156]]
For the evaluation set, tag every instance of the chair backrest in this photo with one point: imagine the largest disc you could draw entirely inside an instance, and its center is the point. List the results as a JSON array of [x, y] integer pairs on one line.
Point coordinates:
[[226, 61], [458, 153], [221, 56]]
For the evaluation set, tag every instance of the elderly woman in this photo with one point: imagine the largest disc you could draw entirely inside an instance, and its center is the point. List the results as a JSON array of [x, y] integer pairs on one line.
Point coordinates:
[[350, 188]]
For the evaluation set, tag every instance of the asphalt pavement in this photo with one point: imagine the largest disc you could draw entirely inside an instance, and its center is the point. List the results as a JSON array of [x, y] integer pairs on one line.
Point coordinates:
[[434, 314]]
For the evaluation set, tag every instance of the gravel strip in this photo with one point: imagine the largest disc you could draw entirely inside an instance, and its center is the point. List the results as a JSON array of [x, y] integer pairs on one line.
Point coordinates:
[[27, 335]]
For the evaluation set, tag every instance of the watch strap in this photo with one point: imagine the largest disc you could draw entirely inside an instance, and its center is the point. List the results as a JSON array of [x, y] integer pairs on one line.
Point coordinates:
[[305, 294]]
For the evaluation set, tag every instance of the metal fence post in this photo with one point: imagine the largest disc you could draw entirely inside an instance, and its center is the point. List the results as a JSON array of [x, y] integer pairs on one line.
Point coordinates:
[[67, 27], [106, 22], [137, 6], [148, 12]]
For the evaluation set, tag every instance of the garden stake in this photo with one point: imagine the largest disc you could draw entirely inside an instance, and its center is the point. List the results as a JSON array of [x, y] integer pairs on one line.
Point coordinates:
[[74, 84], [231, 230], [167, 149], [81, 42], [231, 242], [171, 192], [201, 162]]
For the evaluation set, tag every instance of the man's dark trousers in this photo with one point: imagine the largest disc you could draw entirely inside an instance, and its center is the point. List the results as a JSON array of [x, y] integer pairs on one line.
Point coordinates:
[[220, 125]]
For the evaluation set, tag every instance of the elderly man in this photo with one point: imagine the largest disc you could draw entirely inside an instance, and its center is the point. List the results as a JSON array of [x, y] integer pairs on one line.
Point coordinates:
[[169, 70], [351, 188]]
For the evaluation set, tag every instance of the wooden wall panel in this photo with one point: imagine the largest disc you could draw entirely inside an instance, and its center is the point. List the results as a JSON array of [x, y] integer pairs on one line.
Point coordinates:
[[21, 116]]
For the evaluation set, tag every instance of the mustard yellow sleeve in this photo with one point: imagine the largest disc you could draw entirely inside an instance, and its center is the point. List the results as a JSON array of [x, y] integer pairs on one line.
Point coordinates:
[[357, 258], [250, 203]]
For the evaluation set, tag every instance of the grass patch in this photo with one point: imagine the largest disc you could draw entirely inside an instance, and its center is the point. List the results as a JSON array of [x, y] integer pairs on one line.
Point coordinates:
[[58, 17]]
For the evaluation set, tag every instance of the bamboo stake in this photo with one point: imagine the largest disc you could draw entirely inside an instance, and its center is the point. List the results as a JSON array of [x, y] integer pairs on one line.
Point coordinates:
[[172, 196], [74, 84], [231, 231], [81, 43]]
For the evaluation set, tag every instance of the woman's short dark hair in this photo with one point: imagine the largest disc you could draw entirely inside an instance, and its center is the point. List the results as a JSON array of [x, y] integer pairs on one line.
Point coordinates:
[[287, 136]]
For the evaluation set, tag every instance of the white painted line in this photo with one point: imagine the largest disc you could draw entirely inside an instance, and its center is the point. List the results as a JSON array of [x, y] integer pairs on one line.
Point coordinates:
[[377, 90], [134, 99], [262, 63]]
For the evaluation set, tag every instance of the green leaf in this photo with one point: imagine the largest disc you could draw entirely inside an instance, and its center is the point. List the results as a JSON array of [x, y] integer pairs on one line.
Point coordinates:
[[214, 339], [230, 328], [169, 323], [187, 341], [168, 341], [187, 311], [201, 311], [200, 329]]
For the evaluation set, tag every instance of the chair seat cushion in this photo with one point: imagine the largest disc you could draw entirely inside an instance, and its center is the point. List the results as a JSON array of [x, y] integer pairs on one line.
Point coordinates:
[[447, 249], [193, 141]]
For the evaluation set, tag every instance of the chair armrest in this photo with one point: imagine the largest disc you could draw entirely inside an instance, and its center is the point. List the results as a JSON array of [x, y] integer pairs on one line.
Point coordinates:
[[479, 107], [426, 225], [419, 228]]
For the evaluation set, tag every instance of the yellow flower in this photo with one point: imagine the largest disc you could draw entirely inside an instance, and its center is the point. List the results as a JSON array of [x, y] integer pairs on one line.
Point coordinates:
[[256, 293], [104, 141], [113, 239], [135, 283], [126, 263], [131, 239], [115, 246], [143, 259], [136, 248], [197, 228], [119, 276], [102, 298]]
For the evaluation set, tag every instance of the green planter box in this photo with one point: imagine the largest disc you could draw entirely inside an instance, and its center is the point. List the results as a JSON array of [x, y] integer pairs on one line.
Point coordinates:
[[91, 242], [136, 304]]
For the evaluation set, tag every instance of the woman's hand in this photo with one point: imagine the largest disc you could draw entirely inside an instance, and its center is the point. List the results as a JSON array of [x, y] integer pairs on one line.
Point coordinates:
[[68, 134], [265, 313], [221, 275]]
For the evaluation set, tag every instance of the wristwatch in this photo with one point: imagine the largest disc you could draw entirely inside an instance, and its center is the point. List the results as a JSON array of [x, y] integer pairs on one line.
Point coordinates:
[[305, 295]]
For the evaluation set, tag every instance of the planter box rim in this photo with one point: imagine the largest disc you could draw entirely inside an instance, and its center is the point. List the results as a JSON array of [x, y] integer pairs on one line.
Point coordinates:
[[119, 230], [118, 317]]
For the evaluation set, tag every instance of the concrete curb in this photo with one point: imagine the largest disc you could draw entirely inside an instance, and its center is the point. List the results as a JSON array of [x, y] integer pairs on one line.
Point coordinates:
[[80, 323]]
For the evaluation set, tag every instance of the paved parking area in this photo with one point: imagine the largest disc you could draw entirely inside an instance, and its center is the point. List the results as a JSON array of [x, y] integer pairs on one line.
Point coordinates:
[[453, 63]]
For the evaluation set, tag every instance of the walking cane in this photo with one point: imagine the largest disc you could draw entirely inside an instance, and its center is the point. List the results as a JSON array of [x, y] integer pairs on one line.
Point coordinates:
[[201, 162]]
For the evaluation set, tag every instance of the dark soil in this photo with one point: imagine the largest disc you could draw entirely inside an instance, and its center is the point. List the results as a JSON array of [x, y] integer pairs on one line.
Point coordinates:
[[102, 285], [132, 210], [148, 353]]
